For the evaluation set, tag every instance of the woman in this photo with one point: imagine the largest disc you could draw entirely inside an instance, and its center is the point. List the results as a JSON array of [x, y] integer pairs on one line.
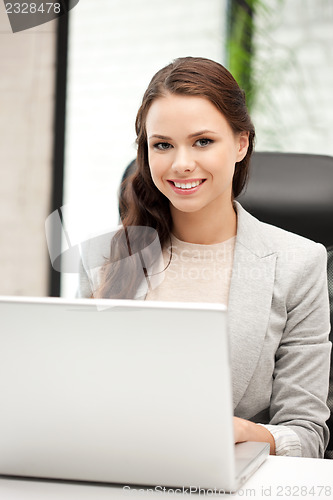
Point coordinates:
[[195, 140]]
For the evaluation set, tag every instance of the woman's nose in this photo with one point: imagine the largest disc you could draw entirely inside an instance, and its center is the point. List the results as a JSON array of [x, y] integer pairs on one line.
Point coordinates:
[[183, 161]]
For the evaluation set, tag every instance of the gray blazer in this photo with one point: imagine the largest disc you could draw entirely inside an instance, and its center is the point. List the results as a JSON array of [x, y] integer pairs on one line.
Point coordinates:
[[278, 325]]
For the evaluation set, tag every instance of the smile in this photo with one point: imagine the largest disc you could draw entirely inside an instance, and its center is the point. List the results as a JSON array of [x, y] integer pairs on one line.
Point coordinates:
[[186, 187]]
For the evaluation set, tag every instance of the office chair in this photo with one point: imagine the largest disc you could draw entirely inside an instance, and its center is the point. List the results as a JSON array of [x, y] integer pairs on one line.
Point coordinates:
[[295, 192], [129, 170], [292, 191]]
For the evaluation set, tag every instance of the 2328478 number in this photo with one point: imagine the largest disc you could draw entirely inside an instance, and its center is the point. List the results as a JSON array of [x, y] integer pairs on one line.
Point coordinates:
[[304, 491], [33, 8]]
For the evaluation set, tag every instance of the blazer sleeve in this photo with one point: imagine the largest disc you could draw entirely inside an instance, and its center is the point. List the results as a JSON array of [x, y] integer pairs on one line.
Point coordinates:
[[302, 362], [84, 289], [93, 252]]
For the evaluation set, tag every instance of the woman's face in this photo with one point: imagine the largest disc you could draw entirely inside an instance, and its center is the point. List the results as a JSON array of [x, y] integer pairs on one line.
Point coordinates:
[[192, 152]]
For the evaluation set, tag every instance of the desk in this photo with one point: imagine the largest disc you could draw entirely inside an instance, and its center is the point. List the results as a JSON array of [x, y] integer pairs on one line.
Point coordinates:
[[278, 477]]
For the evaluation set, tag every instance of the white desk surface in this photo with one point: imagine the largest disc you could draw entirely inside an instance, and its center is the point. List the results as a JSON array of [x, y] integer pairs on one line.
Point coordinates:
[[278, 477]]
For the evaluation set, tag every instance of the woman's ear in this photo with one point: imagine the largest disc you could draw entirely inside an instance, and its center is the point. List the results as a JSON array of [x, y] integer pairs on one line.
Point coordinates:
[[243, 145]]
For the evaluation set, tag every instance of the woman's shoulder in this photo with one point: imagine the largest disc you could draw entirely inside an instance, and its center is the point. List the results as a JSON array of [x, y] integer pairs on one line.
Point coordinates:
[[273, 239]]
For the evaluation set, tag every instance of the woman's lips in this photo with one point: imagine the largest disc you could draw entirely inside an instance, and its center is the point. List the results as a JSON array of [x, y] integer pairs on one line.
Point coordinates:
[[186, 186]]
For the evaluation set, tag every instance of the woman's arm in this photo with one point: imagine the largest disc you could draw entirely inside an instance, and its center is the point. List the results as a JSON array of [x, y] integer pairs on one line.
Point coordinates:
[[302, 360]]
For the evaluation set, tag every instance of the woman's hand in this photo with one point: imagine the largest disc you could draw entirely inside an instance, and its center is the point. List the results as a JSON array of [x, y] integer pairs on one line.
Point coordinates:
[[244, 430]]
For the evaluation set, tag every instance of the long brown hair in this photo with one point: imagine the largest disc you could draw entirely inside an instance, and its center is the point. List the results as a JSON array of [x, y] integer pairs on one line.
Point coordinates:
[[141, 203]]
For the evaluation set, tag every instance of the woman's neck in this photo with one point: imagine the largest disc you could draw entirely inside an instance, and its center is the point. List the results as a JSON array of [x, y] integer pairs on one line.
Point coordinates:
[[196, 227]]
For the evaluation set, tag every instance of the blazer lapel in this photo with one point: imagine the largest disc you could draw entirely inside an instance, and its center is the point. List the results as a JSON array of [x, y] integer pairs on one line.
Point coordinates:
[[250, 299]]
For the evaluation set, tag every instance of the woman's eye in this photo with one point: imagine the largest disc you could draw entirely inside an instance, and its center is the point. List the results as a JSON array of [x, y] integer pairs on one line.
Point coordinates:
[[203, 142], [162, 146]]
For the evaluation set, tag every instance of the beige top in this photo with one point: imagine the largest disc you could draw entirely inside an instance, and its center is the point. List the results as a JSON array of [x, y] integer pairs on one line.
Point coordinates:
[[196, 273]]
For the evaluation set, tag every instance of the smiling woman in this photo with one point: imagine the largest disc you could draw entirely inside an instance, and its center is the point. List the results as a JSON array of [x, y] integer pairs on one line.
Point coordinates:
[[195, 139]]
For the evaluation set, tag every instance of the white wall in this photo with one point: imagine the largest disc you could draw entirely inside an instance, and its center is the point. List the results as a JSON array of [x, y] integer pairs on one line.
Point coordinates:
[[294, 73], [114, 51], [26, 140]]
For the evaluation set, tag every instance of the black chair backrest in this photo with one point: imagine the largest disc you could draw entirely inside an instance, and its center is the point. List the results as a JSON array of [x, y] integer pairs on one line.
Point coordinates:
[[129, 170], [292, 191]]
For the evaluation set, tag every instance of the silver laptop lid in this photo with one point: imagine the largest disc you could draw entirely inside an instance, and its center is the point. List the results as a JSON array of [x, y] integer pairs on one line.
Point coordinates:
[[127, 392]]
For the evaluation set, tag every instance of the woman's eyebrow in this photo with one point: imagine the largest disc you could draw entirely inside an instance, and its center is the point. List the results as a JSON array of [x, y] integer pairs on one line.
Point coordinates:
[[195, 134], [164, 137], [201, 132]]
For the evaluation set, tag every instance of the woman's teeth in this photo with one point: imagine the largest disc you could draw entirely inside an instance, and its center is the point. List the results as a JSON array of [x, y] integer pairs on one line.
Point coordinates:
[[187, 185]]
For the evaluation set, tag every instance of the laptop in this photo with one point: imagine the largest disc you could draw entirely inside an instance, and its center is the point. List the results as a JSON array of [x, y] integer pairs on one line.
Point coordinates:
[[119, 391]]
